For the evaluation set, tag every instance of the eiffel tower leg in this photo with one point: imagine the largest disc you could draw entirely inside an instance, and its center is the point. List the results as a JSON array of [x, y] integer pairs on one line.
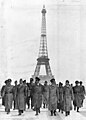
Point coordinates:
[[37, 70], [48, 70]]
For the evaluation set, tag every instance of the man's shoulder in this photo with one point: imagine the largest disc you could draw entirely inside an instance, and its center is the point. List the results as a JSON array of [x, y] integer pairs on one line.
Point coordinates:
[[3, 86]]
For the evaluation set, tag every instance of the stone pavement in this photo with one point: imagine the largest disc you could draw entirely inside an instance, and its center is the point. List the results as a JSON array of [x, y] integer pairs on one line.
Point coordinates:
[[44, 115], [28, 115]]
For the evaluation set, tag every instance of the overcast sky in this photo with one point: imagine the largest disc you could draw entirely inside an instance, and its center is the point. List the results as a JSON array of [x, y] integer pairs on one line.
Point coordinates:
[[20, 30]]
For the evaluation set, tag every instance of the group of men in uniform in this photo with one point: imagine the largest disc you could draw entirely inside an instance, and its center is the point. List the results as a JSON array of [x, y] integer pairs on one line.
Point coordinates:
[[69, 93], [52, 96], [19, 94]]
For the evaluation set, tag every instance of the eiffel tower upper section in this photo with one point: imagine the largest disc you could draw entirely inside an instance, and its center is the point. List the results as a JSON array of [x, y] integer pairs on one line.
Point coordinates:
[[43, 52]]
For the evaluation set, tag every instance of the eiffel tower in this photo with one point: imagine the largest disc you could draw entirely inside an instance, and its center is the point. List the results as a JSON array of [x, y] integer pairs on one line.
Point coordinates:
[[43, 52]]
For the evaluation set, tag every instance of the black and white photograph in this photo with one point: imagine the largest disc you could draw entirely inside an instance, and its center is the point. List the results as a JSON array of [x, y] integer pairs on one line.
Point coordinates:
[[42, 59]]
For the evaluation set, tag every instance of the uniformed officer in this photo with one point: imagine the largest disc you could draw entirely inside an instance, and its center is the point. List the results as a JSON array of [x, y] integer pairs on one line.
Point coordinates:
[[68, 97], [8, 92], [77, 96], [37, 95], [53, 97]]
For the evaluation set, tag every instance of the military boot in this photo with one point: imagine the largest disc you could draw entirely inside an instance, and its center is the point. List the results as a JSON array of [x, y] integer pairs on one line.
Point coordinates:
[[66, 113], [59, 110], [77, 109], [19, 112], [74, 107], [8, 111], [44, 105], [51, 113], [62, 111], [37, 111], [54, 112]]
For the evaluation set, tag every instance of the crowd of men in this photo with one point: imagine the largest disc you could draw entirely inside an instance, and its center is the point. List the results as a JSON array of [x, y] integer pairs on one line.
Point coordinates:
[[52, 96]]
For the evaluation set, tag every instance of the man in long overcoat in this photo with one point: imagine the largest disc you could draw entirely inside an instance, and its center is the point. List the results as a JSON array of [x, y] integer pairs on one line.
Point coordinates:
[[61, 100], [53, 97], [77, 97], [45, 94], [37, 95], [21, 97], [15, 98], [26, 89], [3, 96], [30, 97], [68, 97], [8, 92], [82, 92]]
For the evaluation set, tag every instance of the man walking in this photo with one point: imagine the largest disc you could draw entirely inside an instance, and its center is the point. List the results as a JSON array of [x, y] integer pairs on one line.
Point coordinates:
[[15, 97], [77, 96], [37, 95], [82, 93], [8, 92], [2, 93], [21, 97], [53, 97], [67, 97], [61, 100], [45, 94], [30, 97]]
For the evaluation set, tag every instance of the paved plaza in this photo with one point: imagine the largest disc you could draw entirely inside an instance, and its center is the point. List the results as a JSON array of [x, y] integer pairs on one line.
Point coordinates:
[[44, 115]]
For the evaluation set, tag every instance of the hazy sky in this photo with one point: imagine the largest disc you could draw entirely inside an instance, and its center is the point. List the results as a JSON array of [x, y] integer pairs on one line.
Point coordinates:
[[20, 38]]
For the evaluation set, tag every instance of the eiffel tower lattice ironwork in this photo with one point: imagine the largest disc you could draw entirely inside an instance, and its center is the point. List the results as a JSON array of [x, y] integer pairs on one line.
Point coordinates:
[[43, 52]]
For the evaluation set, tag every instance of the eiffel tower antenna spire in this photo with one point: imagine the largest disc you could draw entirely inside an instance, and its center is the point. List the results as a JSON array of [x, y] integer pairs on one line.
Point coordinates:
[[43, 42], [43, 52]]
